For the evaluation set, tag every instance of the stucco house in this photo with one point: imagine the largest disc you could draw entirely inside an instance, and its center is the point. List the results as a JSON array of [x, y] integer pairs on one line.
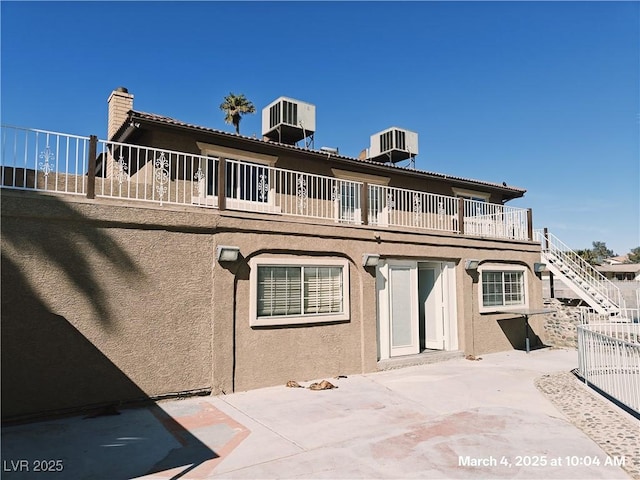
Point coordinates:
[[193, 260], [621, 271]]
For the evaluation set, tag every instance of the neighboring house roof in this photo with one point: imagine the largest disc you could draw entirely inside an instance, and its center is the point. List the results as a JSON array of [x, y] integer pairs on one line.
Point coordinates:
[[617, 260], [135, 116], [620, 268]]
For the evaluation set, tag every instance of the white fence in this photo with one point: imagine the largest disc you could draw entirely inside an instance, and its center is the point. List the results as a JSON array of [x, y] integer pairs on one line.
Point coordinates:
[[45, 161], [146, 174], [493, 220], [609, 357], [410, 208], [50, 161]]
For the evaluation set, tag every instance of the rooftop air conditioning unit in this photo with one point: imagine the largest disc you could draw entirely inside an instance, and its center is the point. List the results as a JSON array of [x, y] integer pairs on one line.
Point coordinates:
[[286, 120], [393, 145]]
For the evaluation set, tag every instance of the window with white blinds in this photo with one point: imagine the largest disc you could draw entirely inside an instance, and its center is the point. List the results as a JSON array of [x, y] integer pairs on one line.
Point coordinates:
[[279, 291], [284, 293], [322, 290]]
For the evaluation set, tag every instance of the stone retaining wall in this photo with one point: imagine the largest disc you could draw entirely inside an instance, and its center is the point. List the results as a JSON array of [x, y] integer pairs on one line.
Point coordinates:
[[560, 326]]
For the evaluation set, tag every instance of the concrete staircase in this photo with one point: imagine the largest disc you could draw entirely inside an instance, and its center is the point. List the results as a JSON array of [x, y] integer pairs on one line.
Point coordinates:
[[585, 281]]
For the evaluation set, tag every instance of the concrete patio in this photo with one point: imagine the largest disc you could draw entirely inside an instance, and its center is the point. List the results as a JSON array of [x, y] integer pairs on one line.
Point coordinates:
[[455, 419]]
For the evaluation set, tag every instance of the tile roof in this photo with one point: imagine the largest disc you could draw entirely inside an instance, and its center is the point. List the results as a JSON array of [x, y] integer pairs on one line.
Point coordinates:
[[620, 268], [515, 191]]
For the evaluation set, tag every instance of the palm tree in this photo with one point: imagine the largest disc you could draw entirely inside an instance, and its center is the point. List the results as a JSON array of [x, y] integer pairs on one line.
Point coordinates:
[[588, 256], [234, 106]]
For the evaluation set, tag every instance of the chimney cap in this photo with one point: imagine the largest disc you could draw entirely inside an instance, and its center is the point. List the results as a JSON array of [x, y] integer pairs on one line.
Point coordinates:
[[122, 89]]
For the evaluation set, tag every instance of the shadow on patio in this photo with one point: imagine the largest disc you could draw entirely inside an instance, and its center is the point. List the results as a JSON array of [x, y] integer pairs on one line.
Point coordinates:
[[51, 369]]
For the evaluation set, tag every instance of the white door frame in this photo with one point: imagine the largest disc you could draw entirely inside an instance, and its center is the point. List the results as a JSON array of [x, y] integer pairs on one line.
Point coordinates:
[[447, 280], [406, 306], [433, 308], [450, 311]]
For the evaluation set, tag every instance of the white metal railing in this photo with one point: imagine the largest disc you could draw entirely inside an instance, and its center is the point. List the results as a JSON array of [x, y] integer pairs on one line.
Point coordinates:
[[630, 314], [150, 174], [410, 208], [587, 278], [50, 161], [259, 188], [589, 317], [609, 358], [166, 176], [42, 160], [496, 221]]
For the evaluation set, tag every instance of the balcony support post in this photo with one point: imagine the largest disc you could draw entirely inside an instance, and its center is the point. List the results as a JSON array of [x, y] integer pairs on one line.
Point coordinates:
[[546, 238], [91, 162], [222, 184], [364, 204], [461, 216], [530, 224], [545, 247]]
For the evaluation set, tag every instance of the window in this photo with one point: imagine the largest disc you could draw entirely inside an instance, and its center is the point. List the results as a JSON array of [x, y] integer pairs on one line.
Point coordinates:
[[279, 291], [349, 210], [245, 180], [376, 206], [471, 195], [477, 210], [249, 180], [502, 288], [293, 291], [349, 202]]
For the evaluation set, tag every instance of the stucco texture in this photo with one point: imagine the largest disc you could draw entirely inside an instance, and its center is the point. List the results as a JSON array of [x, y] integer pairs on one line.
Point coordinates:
[[106, 301], [97, 311]]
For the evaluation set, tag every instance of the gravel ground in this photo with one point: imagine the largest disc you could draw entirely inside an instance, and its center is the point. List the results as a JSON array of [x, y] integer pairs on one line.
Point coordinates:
[[613, 429]]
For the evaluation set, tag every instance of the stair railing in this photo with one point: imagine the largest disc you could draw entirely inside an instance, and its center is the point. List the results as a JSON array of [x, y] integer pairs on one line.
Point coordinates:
[[598, 283]]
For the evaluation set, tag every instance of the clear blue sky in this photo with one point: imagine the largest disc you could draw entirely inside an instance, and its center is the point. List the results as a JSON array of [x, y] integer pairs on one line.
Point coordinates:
[[542, 95]]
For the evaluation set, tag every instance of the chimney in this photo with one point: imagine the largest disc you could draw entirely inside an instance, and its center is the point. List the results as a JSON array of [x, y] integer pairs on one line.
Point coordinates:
[[120, 102]]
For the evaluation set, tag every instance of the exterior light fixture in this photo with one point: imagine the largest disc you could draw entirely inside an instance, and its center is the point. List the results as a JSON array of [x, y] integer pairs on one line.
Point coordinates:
[[471, 264], [225, 253], [539, 267], [370, 259]]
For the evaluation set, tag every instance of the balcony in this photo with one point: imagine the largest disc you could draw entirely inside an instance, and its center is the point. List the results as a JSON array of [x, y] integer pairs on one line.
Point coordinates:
[[54, 162]]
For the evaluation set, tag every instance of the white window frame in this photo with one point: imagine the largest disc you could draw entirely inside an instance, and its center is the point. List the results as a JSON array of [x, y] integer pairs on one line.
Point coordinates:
[[471, 194], [216, 152], [503, 268], [360, 178], [478, 222], [346, 210], [256, 321]]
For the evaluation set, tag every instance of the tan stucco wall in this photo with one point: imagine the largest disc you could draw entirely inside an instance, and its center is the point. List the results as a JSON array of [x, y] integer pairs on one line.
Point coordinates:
[[272, 355], [97, 307], [113, 300], [290, 350]]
